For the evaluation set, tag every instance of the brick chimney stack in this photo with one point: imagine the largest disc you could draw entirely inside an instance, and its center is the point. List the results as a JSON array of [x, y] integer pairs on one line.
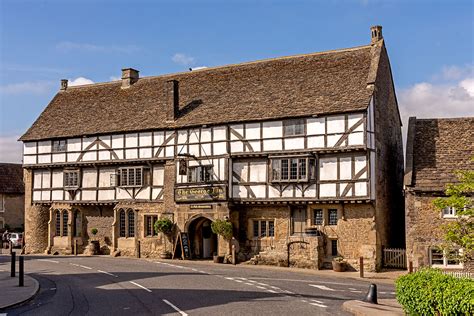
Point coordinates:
[[376, 33], [64, 83], [172, 100], [129, 77]]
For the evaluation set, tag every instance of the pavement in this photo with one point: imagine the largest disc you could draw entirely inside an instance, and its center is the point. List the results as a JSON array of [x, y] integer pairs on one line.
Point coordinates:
[[13, 295]]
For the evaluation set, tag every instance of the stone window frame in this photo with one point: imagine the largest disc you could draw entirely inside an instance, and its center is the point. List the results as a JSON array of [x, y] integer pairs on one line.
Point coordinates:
[[61, 220], [259, 222], [128, 223], [154, 218], [325, 209], [446, 264]]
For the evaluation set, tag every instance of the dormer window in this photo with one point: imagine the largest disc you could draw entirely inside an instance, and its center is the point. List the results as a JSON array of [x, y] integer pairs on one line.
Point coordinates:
[[59, 146], [293, 127]]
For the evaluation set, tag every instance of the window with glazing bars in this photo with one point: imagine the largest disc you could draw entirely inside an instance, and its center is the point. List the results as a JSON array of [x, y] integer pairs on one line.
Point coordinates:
[[199, 174], [150, 222], [334, 247], [59, 146], [263, 228], [122, 223], [65, 219], [332, 217], [293, 127], [290, 169], [58, 223], [131, 177], [131, 224], [71, 178], [318, 217]]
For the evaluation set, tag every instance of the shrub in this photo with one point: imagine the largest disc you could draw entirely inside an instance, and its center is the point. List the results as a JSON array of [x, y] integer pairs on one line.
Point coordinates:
[[94, 231], [223, 228], [163, 225], [430, 292]]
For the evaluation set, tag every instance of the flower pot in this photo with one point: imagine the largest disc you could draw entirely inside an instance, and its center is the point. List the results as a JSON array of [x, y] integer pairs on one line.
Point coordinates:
[[94, 246], [218, 259], [339, 266]]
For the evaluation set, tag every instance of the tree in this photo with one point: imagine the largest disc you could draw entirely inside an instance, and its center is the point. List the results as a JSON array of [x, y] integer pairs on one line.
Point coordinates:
[[459, 233]]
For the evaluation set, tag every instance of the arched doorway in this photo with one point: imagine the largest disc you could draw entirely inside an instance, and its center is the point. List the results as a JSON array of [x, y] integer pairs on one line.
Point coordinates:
[[203, 240]]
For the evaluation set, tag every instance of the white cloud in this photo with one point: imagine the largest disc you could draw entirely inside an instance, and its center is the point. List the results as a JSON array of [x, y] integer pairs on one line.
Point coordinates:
[[79, 81], [93, 48], [33, 87], [114, 78], [10, 149], [183, 59]]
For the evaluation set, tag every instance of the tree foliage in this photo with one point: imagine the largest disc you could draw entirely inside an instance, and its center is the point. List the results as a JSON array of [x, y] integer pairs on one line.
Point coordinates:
[[459, 233], [223, 228], [164, 225]]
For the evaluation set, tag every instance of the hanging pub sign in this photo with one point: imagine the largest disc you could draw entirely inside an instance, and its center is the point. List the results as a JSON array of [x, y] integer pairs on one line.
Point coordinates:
[[183, 167], [192, 194]]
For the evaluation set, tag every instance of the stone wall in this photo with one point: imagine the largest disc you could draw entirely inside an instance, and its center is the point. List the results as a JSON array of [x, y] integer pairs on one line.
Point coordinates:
[[104, 230]]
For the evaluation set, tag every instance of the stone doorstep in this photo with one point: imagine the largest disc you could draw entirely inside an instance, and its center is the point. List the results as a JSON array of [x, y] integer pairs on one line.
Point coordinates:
[[12, 294], [389, 307]]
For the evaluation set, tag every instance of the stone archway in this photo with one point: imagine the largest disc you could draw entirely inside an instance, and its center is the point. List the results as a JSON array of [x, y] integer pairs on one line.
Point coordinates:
[[203, 241]]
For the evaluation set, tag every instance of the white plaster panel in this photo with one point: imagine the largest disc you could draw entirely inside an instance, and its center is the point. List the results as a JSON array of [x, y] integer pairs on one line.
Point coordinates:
[[58, 179], [88, 195], [328, 168], [122, 194], [44, 158], [87, 141], [272, 144], [117, 141], [298, 192], [239, 191], [158, 175], [155, 193], [44, 147], [68, 196], [311, 191], [255, 146], [29, 160], [327, 190], [370, 116], [183, 136], [89, 178], [238, 129], [106, 140], [342, 187], [206, 134], [59, 157], [90, 156], [143, 194], [37, 196], [241, 169], [169, 151], [360, 188], [220, 133], [131, 153], [46, 179], [29, 148], [345, 168], [131, 140], [206, 149], [57, 195], [145, 139], [145, 153], [258, 171], [252, 131], [220, 148], [194, 149], [72, 157], [194, 163], [259, 191], [315, 142], [372, 175], [332, 140], [361, 163], [222, 168], [272, 129], [106, 195], [194, 136], [104, 177], [353, 119], [158, 138], [45, 195], [287, 192], [356, 139], [119, 153], [294, 143], [236, 147], [182, 149], [335, 124], [37, 179], [273, 192], [104, 155], [74, 144], [316, 126]]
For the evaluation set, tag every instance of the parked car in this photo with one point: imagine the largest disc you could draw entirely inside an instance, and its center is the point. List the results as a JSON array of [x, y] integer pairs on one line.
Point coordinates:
[[16, 239]]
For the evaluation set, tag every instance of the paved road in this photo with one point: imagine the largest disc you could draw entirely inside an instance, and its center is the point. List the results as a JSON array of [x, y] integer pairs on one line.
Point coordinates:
[[121, 286]]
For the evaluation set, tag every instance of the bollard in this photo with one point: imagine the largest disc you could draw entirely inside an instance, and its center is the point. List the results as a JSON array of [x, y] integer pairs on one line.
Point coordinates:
[[21, 271], [10, 247], [361, 267], [75, 247], [12, 269], [233, 255], [371, 294], [138, 249], [410, 266]]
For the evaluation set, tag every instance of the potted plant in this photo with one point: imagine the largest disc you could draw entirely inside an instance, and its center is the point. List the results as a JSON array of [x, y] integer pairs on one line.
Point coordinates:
[[165, 226], [224, 229], [338, 264]]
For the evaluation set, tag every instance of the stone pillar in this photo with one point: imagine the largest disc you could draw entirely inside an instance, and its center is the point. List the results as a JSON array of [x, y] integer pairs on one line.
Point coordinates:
[[115, 231], [51, 230], [70, 239]]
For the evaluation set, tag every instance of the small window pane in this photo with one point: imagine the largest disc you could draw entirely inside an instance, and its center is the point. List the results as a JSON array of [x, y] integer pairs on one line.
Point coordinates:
[[294, 127], [131, 224], [65, 220], [271, 229], [255, 229], [332, 217], [284, 169], [122, 223], [437, 256], [294, 169], [58, 223], [263, 228], [333, 247], [318, 217]]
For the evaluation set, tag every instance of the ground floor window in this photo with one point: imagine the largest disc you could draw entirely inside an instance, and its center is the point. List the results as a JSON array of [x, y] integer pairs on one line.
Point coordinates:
[[126, 223], [332, 214], [263, 228], [318, 217], [61, 218], [150, 221], [443, 258], [334, 247]]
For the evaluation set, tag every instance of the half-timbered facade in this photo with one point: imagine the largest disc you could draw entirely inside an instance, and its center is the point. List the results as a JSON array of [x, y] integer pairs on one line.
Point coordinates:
[[303, 148]]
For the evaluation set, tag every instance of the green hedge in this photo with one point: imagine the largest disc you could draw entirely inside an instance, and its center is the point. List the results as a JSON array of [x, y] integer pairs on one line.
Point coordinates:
[[430, 292]]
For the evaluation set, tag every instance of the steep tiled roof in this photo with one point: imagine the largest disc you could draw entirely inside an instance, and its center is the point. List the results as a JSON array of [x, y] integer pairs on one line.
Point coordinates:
[[11, 178], [328, 82], [435, 149]]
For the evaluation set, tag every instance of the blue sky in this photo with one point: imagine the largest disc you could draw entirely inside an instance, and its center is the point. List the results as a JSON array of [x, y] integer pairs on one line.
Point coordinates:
[[430, 44]]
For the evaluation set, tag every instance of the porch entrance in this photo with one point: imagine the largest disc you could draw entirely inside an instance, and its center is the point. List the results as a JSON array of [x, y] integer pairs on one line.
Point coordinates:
[[203, 240]]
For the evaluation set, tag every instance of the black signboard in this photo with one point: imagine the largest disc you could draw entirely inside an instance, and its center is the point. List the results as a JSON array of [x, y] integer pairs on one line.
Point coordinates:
[[191, 194], [185, 245]]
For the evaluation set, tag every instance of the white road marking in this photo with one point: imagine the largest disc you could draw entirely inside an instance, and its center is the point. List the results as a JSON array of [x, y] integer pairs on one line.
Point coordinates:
[[262, 284], [351, 288], [108, 273], [316, 301], [383, 292], [193, 269], [271, 291], [202, 272], [240, 281], [228, 278], [175, 308], [356, 291], [88, 268], [252, 281], [74, 264], [319, 305], [260, 287], [275, 287], [148, 290], [322, 287], [47, 260], [289, 292], [248, 283], [304, 301], [392, 293]]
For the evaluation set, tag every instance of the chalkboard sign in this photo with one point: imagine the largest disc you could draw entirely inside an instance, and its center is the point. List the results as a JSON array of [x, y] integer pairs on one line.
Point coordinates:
[[185, 246]]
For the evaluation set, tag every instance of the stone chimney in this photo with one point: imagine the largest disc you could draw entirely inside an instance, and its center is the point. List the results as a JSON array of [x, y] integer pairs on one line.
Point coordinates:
[[64, 83], [172, 100], [376, 33], [129, 77]]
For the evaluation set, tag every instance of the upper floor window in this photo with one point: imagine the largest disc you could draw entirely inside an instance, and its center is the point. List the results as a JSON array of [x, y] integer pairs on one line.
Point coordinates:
[[449, 212], [199, 174], [293, 127], [131, 177], [71, 178], [59, 146], [290, 169]]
